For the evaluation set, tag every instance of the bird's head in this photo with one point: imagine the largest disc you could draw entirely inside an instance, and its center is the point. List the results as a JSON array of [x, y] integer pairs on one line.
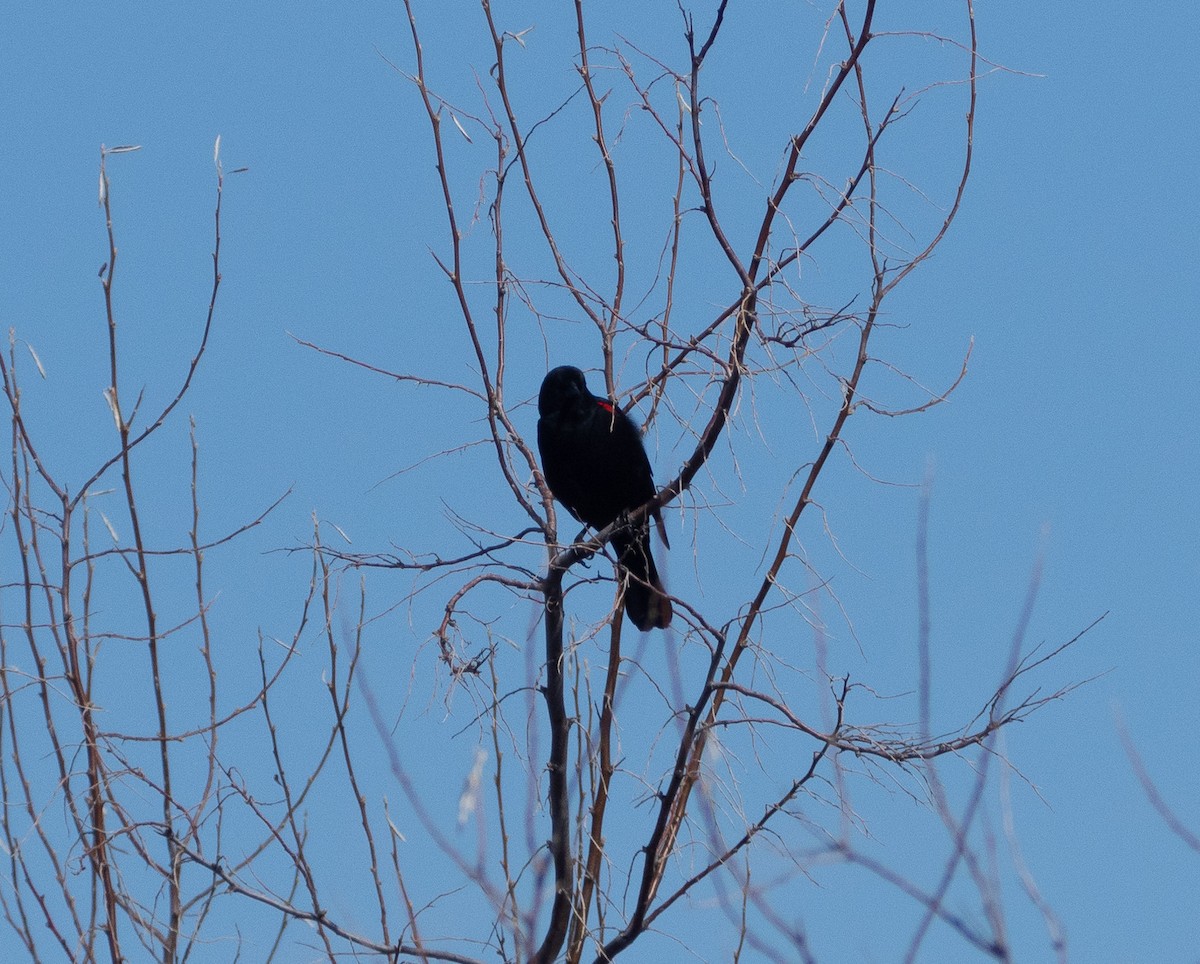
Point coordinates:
[[563, 389]]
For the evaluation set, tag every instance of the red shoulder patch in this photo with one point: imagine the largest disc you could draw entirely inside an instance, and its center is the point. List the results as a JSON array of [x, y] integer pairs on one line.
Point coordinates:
[[607, 406]]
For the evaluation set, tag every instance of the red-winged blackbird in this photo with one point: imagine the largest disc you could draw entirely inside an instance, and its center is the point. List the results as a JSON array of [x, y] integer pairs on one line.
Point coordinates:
[[596, 466]]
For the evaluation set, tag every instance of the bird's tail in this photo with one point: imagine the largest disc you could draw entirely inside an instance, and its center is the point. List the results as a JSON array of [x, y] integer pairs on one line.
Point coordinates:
[[646, 602]]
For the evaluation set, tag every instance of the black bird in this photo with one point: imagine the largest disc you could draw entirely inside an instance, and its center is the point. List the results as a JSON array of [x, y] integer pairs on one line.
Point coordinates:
[[596, 466]]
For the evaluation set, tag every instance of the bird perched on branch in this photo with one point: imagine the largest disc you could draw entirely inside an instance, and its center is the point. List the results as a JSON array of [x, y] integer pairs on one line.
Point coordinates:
[[596, 466]]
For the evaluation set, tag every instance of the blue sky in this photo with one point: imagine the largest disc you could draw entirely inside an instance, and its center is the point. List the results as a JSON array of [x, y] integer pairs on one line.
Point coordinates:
[[1072, 440]]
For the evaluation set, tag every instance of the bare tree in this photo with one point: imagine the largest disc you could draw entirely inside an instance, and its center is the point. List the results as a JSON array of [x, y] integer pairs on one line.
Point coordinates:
[[617, 797]]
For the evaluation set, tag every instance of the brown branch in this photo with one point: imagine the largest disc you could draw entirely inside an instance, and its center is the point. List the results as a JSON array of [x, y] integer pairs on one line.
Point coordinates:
[[1154, 795], [341, 707], [604, 763], [934, 399], [194, 364], [770, 811], [503, 432], [500, 74], [395, 376], [189, 550], [471, 871], [674, 805], [557, 796], [382, 560], [319, 917], [933, 905], [608, 330]]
